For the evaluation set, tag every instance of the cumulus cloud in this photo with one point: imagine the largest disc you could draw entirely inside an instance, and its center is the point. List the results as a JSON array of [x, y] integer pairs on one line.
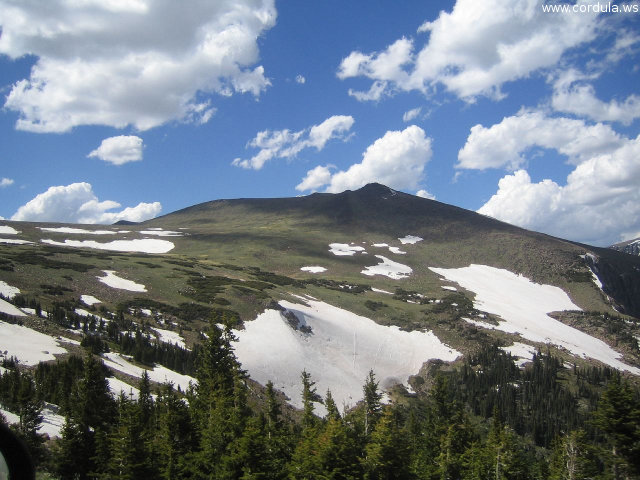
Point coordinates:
[[140, 63], [397, 160], [300, 79], [473, 50], [119, 150], [505, 144], [573, 94], [316, 178], [600, 198], [76, 203], [287, 144], [425, 194], [5, 182]]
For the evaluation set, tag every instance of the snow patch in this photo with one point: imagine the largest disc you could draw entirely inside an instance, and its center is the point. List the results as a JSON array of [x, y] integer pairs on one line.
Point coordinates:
[[145, 245], [7, 230], [397, 250], [449, 287], [113, 281], [89, 300], [315, 269], [7, 290], [52, 421], [117, 386], [27, 345], [523, 307], [388, 268], [523, 352], [377, 290], [338, 353], [158, 374], [169, 336], [9, 309], [77, 231], [161, 233], [410, 239], [380, 245], [344, 249]]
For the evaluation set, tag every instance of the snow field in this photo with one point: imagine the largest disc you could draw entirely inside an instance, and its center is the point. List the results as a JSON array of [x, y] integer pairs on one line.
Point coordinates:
[[338, 354], [29, 346], [15, 241], [51, 422], [158, 374], [117, 386], [89, 300], [145, 245], [114, 281], [169, 336], [7, 290], [7, 230], [9, 309], [523, 352], [388, 268], [73, 230], [523, 307]]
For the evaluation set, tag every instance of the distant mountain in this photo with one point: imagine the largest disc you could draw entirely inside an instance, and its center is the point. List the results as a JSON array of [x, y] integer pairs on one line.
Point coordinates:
[[632, 247]]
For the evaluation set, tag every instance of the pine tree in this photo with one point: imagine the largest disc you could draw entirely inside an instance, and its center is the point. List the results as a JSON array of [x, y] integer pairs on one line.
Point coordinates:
[[30, 417], [573, 458], [386, 453], [372, 405]]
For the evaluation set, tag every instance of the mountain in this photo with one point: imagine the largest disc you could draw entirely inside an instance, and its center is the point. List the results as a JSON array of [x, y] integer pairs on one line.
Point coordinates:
[[331, 280], [430, 302], [632, 247]]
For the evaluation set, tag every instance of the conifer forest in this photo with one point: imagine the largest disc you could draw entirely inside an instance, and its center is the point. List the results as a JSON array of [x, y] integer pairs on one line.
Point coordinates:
[[481, 418]]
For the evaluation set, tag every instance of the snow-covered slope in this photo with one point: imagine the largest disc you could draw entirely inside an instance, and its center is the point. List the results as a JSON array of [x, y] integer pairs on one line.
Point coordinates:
[[338, 353], [524, 307]]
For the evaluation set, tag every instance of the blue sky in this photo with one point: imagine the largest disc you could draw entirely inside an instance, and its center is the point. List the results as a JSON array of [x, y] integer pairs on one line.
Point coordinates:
[[129, 109]]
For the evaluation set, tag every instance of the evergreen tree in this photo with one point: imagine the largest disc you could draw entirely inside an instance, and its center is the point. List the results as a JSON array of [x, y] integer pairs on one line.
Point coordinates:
[[573, 458], [30, 409], [372, 405], [386, 453]]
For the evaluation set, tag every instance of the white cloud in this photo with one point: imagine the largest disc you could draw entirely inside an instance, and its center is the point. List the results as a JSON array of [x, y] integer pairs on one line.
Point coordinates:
[[571, 94], [5, 182], [300, 79], [504, 144], [287, 144], [411, 114], [473, 50], [396, 160], [425, 194], [119, 150], [600, 199], [315, 178], [76, 203], [140, 63]]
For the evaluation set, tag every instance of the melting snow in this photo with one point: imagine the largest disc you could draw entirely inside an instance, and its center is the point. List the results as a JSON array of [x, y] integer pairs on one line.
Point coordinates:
[[523, 307], [117, 386], [380, 245], [315, 269], [344, 249], [396, 250], [159, 373], [7, 290], [113, 281], [7, 230], [73, 230], [338, 354], [522, 351], [145, 245], [27, 345], [161, 233], [15, 241], [411, 239], [377, 290], [9, 309], [89, 300], [388, 268], [169, 336]]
